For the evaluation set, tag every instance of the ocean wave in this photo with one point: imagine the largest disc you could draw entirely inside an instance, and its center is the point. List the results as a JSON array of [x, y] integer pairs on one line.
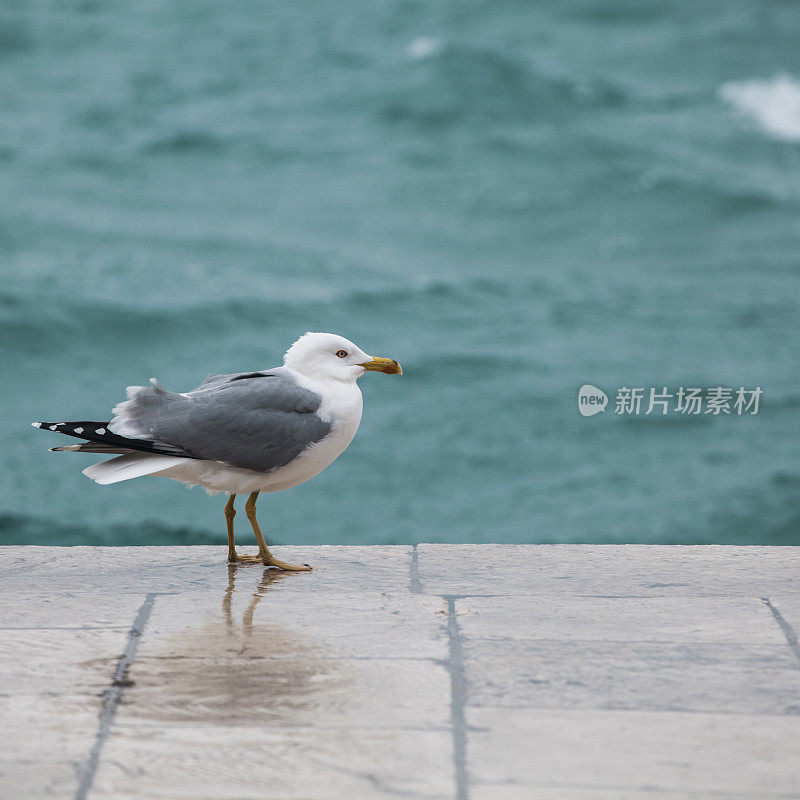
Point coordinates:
[[774, 104], [767, 515], [186, 141], [615, 12], [719, 192], [15, 37], [29, 529], [452, 82], [35, 321], [710, 179]]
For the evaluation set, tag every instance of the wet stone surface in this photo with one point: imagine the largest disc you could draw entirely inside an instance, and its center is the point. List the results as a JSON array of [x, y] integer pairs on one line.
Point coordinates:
[[442, 671]]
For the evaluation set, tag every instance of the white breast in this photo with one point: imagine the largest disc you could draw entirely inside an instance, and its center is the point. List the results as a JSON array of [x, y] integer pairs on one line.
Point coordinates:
[[341, 406]]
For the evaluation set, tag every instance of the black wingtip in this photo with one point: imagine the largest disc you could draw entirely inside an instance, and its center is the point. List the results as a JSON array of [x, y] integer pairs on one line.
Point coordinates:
[[52, 426], [98, 432]]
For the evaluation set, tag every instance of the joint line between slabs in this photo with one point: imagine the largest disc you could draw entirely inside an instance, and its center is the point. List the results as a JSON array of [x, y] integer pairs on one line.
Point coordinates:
[[458, 700], [414, 582], [788, 630], [113, 694]]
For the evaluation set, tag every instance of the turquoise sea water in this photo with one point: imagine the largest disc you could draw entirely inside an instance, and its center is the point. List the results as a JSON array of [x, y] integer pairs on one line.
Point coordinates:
[[512, 199]]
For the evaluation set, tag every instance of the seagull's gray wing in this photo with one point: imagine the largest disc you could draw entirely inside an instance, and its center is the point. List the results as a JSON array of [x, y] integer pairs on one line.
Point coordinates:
[[259, 420]]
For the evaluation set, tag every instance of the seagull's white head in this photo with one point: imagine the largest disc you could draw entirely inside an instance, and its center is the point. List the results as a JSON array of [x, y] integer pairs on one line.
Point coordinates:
[[327, 356]]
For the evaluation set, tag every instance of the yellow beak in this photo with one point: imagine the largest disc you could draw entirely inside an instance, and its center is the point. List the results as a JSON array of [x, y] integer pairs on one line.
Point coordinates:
[[387, 365]]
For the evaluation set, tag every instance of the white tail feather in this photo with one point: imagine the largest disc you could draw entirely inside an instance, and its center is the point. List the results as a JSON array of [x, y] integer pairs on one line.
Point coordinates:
[[133, 465]]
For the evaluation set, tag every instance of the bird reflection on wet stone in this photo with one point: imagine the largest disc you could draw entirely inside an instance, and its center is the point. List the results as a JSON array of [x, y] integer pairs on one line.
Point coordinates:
[[259, 672], [269, 576]]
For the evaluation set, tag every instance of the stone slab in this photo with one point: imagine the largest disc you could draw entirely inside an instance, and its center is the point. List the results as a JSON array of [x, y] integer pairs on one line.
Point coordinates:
[[707, 620], [606, 570], [57, 661], [721, 678], [55, 607], [48, 728], [508, 791], [254, 763], [38, 779], [636, 751]]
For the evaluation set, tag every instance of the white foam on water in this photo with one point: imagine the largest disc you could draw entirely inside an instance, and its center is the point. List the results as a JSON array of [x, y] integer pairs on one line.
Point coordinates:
[[774, 104], [423, 47]]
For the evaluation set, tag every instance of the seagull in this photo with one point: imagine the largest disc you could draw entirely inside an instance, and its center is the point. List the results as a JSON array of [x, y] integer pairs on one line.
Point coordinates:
[[243, 433]]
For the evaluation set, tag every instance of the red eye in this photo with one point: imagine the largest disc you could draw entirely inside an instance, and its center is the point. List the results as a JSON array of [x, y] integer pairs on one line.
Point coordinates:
[[342, 353]]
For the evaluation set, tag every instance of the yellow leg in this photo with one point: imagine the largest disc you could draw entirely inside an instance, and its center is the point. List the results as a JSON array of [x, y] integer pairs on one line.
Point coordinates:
[[230, 513], [233, 558], [263, 550]]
